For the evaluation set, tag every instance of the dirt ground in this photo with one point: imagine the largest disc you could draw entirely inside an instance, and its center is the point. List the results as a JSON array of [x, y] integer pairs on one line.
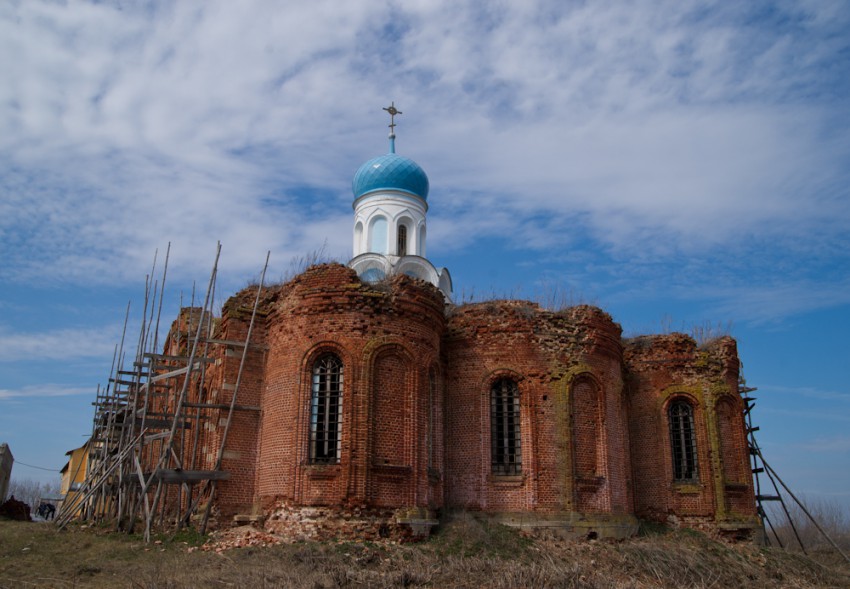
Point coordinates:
[[466, 552]]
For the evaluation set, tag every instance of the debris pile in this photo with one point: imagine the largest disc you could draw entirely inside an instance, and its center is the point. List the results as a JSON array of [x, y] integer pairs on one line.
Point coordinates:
[[241, 537], [17, 510]]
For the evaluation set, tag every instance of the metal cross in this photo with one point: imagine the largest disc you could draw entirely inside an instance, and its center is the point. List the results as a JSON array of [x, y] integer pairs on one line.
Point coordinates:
[[393, 112]]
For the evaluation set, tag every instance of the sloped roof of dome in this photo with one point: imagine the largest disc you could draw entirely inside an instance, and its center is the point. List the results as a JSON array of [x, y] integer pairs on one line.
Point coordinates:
[[390, 172]]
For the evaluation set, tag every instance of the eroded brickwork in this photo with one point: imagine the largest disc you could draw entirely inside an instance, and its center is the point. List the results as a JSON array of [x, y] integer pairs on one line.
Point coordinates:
[[568, 366], [388, 340], [662, 369], [416, 416]]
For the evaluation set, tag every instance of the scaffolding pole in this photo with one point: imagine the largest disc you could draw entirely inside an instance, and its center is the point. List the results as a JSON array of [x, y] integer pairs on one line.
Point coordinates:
[[146, 463]]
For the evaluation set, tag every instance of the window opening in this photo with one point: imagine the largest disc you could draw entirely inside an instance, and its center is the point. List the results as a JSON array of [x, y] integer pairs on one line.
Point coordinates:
[[325, 410], [683, 441], [505, 428], [402, 240]]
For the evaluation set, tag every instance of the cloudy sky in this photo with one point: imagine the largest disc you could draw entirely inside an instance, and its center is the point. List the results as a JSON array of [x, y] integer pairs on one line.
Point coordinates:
[[678, 163]]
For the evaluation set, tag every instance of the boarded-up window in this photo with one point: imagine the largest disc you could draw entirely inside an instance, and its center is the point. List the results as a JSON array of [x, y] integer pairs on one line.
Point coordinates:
[[506, 452]]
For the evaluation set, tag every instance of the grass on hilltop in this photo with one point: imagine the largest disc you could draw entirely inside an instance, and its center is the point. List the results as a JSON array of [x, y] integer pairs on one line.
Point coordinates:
[[466, 552]]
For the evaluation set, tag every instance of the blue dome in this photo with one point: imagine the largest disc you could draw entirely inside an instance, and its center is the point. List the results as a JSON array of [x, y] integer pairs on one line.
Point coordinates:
[[390, 172]]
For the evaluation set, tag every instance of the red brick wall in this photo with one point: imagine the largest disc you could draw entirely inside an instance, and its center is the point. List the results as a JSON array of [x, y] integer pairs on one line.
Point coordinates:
[[589, 450], [240, 448], [737, 477], [545, 352], [387, 338], [661, 369], [586, 429], [392, 454], [415, 413], [731, 442]]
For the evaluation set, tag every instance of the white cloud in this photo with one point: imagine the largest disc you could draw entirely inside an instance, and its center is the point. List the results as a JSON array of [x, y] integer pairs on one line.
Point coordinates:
[[44, 390], [828, 444], [60, 344], [664, 127], [818, 417], [811, 392], [648, 150], [760, 303]]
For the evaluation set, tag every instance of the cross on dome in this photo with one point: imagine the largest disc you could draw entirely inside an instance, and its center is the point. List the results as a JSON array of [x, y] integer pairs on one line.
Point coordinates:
[[393, 112], [390, 203], [391, 172]]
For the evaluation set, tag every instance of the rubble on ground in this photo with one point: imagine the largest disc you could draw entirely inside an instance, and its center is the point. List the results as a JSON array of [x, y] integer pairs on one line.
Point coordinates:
[[17, 510], [240, 537]]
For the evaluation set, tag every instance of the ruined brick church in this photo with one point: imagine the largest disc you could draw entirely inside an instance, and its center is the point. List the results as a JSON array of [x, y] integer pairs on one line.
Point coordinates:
[[373, 404]]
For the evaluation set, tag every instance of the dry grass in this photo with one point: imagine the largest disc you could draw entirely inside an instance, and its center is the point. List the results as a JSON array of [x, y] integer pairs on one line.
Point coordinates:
[[831, 518], [466, 552]]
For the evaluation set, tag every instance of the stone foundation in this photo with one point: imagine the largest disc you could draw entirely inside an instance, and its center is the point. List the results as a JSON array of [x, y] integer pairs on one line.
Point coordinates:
[[573, 525], [362, 524]]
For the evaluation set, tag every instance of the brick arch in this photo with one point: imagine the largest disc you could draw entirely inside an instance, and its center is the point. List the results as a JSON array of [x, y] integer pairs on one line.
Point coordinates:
[[497, 374], [392, 379], [679, 395], [507, 441], [586, 426], [698, 437], [435, 404], [308, 360], [732, 442], [587, 436], [324, 347]]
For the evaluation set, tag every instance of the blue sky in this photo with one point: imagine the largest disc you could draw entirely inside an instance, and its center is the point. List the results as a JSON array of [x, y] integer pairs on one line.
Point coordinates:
[[679, 164]]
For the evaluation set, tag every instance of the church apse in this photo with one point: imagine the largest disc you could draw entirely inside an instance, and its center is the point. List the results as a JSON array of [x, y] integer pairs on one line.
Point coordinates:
[[371, 404]]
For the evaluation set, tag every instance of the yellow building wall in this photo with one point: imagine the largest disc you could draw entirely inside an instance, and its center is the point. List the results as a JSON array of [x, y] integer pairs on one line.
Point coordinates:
[[73, 476]]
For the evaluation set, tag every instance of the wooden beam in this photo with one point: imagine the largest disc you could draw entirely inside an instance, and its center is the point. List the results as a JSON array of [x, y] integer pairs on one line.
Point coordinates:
[[224, 342], [173, 476], [178, 358], [221, 406], [161, 423], [173, 373]]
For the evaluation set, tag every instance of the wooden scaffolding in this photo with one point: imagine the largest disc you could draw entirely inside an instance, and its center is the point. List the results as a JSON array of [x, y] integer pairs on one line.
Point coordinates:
[[146, 464], [760, 468]]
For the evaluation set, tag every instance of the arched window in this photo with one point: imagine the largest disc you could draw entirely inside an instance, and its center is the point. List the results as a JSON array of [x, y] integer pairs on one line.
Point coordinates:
[[326, 410], [421, 249], [378, 236], [373, 275], [358, 238], [506, 454], [402, 240], [683, 441]]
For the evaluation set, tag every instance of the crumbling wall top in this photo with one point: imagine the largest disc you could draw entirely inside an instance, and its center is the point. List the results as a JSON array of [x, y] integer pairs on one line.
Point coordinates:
[[680, 351]]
